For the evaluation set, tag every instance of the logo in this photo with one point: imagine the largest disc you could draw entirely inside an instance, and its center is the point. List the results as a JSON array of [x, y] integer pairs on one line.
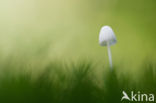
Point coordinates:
[[141, 97]]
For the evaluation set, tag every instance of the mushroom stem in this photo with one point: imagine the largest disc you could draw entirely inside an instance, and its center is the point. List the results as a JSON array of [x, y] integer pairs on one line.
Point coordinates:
[[110, 56]]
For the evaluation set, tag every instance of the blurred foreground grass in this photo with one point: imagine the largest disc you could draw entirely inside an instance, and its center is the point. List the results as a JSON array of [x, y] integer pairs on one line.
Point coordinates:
[[78, 84], [35, 32]]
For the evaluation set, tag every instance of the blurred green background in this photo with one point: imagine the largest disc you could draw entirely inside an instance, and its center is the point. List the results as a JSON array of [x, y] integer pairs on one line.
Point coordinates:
[[35, 32]]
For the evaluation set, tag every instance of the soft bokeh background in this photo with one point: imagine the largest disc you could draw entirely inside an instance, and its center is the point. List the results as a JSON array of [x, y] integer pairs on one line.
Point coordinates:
[[34, 32]]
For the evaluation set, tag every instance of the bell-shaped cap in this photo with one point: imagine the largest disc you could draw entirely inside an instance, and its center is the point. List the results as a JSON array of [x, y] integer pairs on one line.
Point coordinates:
[[107, 36]]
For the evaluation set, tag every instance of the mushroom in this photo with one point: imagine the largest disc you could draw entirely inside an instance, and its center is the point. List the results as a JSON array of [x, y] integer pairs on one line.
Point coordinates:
[[107, 38]]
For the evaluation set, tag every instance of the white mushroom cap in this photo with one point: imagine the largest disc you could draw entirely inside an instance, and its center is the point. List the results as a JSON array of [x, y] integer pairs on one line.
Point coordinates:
[[107, 36]]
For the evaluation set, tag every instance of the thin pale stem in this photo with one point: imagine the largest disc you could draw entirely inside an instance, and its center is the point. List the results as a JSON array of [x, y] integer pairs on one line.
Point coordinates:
[[110, 56]]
